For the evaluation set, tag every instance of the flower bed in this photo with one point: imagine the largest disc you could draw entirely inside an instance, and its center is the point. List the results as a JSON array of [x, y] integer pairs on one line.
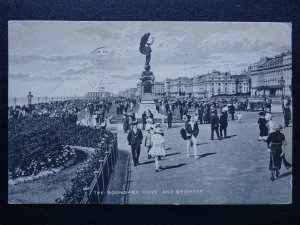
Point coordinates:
[[85, 175], [35, 144]]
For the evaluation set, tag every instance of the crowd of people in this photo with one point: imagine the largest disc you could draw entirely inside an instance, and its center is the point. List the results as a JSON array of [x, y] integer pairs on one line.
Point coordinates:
[[193, 112]]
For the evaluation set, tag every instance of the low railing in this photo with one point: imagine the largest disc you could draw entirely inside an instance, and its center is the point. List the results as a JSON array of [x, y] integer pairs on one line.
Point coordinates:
[[96, 192]]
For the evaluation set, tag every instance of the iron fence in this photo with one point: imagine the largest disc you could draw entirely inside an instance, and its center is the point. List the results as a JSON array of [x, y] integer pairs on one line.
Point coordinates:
[[96, 192]]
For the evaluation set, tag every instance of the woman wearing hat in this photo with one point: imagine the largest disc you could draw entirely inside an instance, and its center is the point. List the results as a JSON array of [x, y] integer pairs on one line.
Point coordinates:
[[262, 124], [158, 147], [276, 146]]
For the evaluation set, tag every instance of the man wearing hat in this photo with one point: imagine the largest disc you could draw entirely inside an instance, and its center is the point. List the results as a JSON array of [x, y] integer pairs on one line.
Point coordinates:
[[223, 123], [134, 139], [214, 125]]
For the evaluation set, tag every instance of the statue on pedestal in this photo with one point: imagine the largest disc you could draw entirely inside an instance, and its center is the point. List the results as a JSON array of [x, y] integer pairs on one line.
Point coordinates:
[[146, 49]]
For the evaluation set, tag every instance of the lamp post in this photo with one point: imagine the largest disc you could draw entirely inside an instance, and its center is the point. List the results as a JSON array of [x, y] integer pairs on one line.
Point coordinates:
[[15, 99], [29, 97], [281, 82]]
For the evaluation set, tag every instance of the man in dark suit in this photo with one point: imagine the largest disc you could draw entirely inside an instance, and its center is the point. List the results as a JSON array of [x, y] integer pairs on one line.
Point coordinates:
[[214, 125], [231, 109], [200, 113], [170, 119], [192, 131], [134, 139], [223, 123]]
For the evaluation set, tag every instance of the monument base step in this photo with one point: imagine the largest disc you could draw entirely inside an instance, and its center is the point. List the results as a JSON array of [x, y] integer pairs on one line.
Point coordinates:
[[145, 106]]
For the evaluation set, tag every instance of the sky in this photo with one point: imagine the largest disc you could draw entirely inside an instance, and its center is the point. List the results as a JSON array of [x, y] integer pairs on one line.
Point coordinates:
[[56, 58]]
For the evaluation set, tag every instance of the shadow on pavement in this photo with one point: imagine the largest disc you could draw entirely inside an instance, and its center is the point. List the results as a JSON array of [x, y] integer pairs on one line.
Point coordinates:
[[206, 154], [285, 174], [173, 154], [202, 143], [230, 136], [147, 162], [168, 149], [176, 126], [172, 167]]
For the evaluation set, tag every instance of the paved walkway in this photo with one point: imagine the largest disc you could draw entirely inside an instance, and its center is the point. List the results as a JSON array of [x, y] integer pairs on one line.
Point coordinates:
[[230, 171]]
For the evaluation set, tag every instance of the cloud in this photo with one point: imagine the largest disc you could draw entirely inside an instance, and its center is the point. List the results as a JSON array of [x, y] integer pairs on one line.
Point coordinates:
[[23, 59], [130, 77]]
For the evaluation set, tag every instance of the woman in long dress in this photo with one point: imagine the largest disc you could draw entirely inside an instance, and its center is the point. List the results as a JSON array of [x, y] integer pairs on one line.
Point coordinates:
[[158, 147], [276, 146], [263, 129]]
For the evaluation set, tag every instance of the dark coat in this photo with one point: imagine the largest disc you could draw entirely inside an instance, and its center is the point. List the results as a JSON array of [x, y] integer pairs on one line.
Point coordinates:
[[223, 120], [189, 130], [214, 121], [135, 139], [169, 116]]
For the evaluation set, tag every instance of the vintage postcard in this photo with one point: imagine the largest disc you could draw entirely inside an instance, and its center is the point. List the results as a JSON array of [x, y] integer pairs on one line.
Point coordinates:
[[176, 113]]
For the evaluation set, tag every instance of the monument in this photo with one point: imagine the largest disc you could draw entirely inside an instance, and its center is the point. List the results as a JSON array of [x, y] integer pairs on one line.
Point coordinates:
[[147, 80]]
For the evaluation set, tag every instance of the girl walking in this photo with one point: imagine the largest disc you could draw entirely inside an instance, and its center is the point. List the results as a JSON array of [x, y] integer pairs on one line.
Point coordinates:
[[158, 147], [149, 133]]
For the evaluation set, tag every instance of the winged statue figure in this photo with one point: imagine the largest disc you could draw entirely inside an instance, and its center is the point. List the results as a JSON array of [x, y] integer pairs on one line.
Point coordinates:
[[145, 47]]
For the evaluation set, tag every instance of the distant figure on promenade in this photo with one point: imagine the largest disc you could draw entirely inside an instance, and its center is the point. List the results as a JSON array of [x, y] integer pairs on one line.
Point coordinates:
[[170, 118], [192, 131], [158, 147], [223, 123], [214, 126], [231, 109], [131, 116], [149, 124], [126, 126], [148, 144], [239, 117], [181, 111], [135, 138], [144, 119], [287, 115], [200, 113], [276, 146], [262, 124], [157, 107], [150, 114]]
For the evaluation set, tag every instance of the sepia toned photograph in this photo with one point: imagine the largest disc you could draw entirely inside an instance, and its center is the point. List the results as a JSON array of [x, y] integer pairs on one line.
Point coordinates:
[[149, 113]]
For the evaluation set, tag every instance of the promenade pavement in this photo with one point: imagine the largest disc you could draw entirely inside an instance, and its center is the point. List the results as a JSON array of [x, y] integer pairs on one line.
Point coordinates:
[[230, 171]]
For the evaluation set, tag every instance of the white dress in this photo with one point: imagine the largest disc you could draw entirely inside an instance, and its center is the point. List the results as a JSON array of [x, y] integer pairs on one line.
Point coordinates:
[[158, 146]]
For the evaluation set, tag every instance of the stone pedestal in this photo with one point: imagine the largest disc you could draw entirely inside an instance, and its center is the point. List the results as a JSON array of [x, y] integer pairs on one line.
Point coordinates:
[[147, 94]]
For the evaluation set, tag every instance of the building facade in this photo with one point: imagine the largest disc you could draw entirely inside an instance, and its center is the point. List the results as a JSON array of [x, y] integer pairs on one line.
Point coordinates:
[[98, 94], [224, 83], [159, 88], [267, 73], [199, 86], [181, 86], [167, 86], [129, 93]]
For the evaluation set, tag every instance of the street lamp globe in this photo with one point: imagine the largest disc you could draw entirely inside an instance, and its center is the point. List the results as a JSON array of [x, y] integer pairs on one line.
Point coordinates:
[[29, 97]]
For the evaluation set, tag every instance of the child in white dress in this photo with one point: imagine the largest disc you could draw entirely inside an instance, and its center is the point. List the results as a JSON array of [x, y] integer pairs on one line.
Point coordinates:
[[158, 147]]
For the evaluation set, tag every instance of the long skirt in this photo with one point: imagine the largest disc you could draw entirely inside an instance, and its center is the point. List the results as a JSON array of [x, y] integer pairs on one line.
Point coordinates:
[[275, 159], [263, 130]]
